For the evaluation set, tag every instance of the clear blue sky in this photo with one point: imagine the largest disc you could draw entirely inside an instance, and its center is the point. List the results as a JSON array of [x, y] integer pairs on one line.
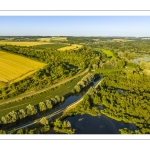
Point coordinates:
[[75, 25]]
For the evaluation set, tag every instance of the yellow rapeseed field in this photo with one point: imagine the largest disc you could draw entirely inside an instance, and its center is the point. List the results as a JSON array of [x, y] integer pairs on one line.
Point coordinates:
[[71, 47], [22, 43], [14, 68]]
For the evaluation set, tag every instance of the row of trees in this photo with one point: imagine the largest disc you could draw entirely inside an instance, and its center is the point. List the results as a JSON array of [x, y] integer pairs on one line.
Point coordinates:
[[30, 110], [85, 81], [13, 116], [48, 104]]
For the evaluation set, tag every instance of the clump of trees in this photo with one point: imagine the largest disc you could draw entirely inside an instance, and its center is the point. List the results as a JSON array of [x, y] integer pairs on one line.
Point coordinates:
[[63, 127], [85, 81]]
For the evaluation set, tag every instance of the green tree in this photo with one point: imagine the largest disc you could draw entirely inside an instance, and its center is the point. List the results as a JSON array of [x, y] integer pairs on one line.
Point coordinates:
[[44, 121], [22, 113], [31, 110], [48, 104], [42, 106]]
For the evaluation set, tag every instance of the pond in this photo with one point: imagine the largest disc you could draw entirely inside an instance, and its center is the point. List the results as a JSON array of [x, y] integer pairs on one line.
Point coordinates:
[[87, 124]]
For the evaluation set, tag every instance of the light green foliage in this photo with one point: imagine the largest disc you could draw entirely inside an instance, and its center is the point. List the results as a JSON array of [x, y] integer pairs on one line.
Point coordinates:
[[48, 104], [22, 113], [42, 106], [31, 110], [85, 81], [44, 121]]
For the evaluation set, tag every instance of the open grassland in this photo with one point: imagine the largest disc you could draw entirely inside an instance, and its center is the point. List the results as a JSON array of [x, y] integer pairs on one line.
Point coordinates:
[[71, 47], [52, 39], [14, 67], [22, 43], [59, 90], [107, 52]]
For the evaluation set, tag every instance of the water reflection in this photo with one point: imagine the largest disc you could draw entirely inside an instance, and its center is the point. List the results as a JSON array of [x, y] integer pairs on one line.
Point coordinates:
[[86, 124]]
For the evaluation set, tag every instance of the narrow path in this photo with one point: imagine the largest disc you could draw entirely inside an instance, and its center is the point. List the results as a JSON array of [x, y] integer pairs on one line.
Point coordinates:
[[42, 90]]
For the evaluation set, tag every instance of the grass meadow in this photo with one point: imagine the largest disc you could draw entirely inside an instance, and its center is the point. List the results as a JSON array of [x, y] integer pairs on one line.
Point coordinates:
[[107, 52]]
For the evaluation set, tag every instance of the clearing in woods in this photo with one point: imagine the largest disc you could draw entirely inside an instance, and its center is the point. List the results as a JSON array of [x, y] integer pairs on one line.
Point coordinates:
[[14, 68], [109, 53], [71, 47]]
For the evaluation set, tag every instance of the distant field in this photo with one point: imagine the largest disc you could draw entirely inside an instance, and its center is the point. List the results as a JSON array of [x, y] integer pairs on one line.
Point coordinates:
[[107, 52], [22, 43], [53, 46], [44, 39], [14, 67], [121, 40], [53, 39], [59, 38], [71, 47]]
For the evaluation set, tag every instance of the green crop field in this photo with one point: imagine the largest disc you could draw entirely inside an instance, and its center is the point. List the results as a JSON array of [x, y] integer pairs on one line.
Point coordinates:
[[22, 43], [14, 67], [71, 47]]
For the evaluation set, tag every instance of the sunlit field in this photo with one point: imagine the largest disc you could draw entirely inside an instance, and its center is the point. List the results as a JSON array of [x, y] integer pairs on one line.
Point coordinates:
[[22, 43], [52, 39], [14, 67], [71, 47]]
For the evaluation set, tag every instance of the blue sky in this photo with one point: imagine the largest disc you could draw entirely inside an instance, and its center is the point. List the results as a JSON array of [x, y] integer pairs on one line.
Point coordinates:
[[137, 26]]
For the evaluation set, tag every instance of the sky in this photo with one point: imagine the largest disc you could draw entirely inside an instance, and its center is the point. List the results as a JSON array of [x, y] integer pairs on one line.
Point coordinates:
[[136, 26]]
